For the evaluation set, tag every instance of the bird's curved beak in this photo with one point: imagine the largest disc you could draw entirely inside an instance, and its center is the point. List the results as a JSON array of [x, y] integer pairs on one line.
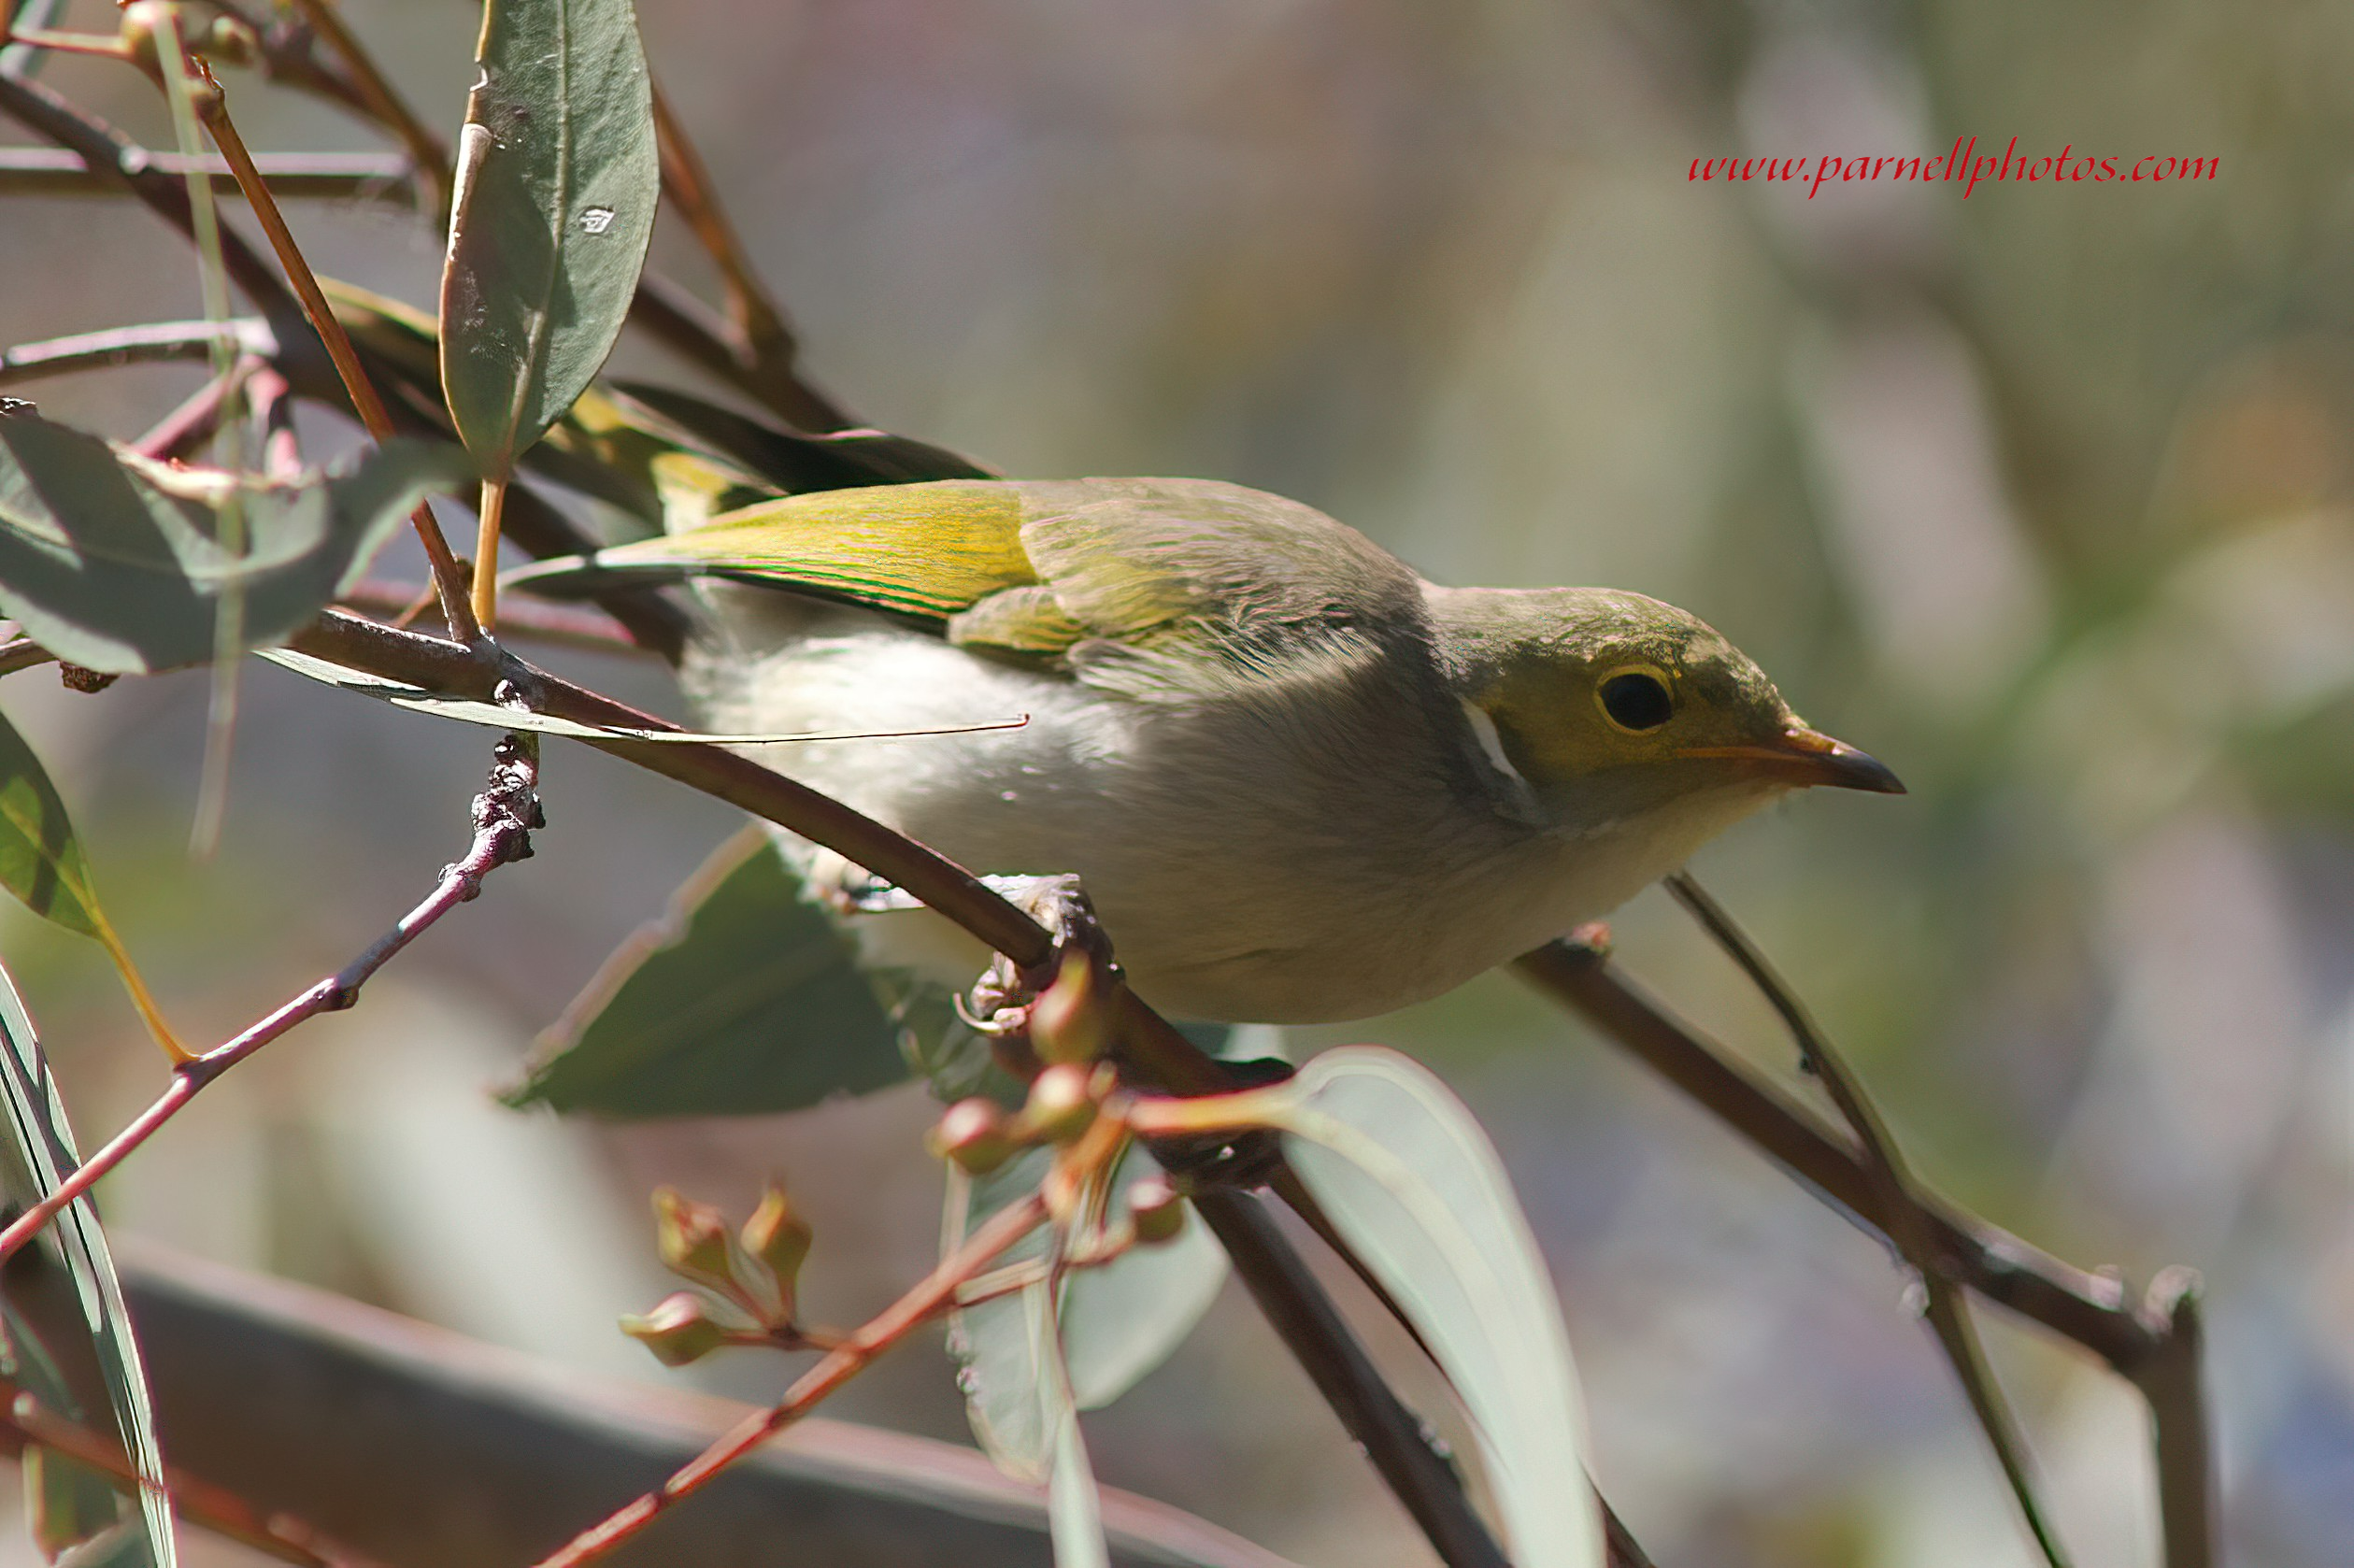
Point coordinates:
[[1803, 756]]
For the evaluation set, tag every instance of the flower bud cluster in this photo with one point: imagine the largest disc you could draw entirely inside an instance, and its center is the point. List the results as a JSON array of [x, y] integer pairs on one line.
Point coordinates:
[[1074, 1108], [746, 1280]]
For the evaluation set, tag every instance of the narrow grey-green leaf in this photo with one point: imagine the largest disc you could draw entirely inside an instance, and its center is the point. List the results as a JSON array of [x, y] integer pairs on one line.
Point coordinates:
[[1406, 1176], [795, 460], [1074, 1509], [742, 999], [42, 863], [41, 1153], [557, 184], [41, 859], [1119, 1321], [117, 563]]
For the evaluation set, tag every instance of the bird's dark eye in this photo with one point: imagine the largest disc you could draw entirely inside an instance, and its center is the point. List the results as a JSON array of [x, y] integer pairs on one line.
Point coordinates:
[[1637, 700]]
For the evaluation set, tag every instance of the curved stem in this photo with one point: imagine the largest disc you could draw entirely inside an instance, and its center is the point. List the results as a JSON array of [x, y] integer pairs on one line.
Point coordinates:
[[930, 1297], [448, 577]]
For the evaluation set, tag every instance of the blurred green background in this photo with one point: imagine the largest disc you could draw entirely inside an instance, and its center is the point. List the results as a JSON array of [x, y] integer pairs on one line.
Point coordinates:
[[2042, 496]]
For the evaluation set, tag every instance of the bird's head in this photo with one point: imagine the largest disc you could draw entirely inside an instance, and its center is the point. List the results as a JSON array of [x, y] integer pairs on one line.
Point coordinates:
[[1609, 708]]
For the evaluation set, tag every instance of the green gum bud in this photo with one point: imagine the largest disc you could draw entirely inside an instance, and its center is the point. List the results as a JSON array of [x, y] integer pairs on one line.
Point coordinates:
[[1067, 1023], [1061, 1105], [678, 1330], [692, 1239], [778, 1237], [975, 1133], [1157, 1210]]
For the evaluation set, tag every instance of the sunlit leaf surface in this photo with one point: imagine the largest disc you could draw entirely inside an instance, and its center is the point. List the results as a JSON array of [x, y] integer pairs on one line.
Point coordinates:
[[117, 563], [1409, 1178], [742, 999], [1119, 1321], [40, 1155], [557, 185]]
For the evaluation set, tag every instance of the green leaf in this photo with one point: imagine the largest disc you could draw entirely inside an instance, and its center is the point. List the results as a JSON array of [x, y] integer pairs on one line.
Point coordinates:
[[41, 863], [40, 1153], [793, 461], [1119, 1321], [557, 184], [1074, 1509], [115, 563], [1409, 1179], [595, 448], [742, 999]]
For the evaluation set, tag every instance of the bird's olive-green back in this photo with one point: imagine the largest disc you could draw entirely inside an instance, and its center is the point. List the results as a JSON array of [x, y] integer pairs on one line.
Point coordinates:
[[1180, 568]]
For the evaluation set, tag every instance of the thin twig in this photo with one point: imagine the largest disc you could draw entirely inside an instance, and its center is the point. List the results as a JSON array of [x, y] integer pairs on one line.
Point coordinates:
[[2171, 1382], [288, 56], [124, 165], [385, 105], [503, 815], [198, 415], [761, 345], [1947, 1313], [2087, 1308], [563, 625], [448, 578], [2156, 1347], [1318, 1338], [1147, 1045], [148, 344], [934, 1294], [23, 653], [692, 328], [214, 1508], [41, 171]]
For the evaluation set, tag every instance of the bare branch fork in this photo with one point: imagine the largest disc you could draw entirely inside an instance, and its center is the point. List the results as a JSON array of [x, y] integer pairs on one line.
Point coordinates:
[[505, 815], [2155, 1346], [1149, 1047], [930, 1297], [1896, 1199]]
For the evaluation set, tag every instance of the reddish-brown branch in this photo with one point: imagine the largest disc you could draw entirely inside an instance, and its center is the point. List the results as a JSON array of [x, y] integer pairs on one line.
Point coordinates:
[[1895, 1197], [146, 344], [2155, 1348], [1147, 1045], [565, 625], [41, 171], [214, 1508], [449, 579], [505, 814], [764, 356], [383, 104], [931, 1296]]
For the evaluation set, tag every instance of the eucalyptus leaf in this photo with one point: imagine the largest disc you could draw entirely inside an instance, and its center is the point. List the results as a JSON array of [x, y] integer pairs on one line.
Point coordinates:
[[595, 448], [41, 1153], [742, 999], [1074, 1509], [41, 863], [558, 179], [1119, 1321], [795, 460], [1405, 1175], [115, 563]]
